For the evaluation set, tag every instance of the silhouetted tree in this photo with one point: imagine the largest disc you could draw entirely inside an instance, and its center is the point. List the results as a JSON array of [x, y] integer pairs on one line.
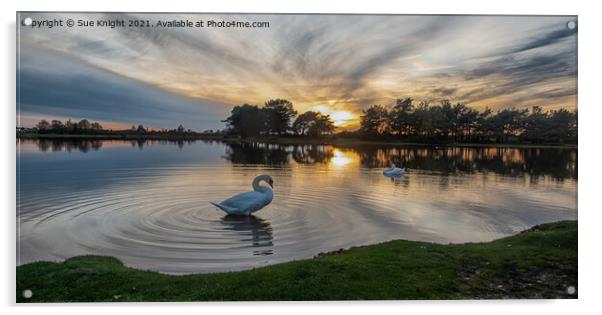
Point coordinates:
[[375, 121], [43, 125], [96, 126], [446, 122], [322, 125], [84, 124], [56, 125], [402, 119], [246, 120], [279, 112], [313, 124], [303, 122]]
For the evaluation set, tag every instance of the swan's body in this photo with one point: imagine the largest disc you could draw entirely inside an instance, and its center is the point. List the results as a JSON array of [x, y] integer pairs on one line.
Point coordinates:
[[393, 171], [249, 202]]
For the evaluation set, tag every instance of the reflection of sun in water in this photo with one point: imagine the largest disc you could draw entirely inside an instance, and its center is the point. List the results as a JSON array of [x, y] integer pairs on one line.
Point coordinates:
[[342, 159]]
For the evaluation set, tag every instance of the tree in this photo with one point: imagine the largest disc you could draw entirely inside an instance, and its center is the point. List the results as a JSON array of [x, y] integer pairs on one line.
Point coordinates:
[[303, 122], [70, 126], [84, 124], [374, 121], [402, 116], [141, 129], [509, 122], [96, 126], [563, 125], [280, 112], [537, 124], [314, 124], [322, 125], [246, 120], [446, 122], [180, 129], [43, 125], [56, 125]]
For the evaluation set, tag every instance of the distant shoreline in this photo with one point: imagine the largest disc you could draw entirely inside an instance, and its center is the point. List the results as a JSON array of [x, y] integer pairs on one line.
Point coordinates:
[[285, 140]]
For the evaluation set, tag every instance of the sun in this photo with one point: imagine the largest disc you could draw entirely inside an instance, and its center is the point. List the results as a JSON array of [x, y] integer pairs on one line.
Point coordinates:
[[340, 117]]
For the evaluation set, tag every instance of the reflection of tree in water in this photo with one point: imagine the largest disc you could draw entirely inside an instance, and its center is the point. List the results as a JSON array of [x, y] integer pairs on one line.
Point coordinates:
[[141, 143], [276, 154], [534, 162], [56, 145], [311, 154], [557, 163], [252, 229], [256, 153]]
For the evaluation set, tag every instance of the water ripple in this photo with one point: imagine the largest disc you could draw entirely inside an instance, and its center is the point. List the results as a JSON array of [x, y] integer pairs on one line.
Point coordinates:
[[160, 219]]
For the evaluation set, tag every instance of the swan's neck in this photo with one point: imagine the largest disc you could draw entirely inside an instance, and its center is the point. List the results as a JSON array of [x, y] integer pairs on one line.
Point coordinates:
[[258, 187]]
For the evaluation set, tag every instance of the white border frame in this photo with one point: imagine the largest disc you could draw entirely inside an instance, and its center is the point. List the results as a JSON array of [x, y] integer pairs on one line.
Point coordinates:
[[589, 17]]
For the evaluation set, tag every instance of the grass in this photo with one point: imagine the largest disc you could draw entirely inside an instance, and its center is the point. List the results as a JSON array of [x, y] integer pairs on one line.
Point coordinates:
[[538, 263]]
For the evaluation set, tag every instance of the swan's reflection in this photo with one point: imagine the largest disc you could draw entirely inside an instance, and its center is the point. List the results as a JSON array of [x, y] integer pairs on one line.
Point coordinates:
[[253, 229], [394, 177], [399, 180]]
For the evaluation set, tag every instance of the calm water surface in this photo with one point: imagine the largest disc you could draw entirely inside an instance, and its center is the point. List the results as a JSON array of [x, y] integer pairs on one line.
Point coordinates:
[[147, 202]]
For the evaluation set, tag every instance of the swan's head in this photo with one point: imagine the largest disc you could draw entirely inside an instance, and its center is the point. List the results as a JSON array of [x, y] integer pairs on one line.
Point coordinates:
[[265, 178]]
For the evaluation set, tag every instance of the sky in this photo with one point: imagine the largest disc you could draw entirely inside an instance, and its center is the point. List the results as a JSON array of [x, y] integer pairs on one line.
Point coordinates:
[[336, 64]]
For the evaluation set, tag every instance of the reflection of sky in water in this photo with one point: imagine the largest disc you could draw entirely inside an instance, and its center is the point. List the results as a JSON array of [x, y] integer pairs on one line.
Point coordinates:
[[147, 203]]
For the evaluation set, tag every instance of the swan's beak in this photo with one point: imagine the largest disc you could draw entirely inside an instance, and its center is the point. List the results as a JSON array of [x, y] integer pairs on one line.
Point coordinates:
[[271, 183]]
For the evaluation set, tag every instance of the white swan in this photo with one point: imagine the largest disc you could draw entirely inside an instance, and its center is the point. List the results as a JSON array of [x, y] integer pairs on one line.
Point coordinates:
[[249, 202], [394, 171]]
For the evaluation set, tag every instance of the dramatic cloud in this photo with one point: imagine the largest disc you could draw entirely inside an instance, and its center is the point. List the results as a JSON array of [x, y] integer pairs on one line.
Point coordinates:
[[53, 86], [336, 63]]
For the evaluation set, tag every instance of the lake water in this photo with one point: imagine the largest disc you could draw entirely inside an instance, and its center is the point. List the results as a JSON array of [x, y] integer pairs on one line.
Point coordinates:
[[147, 202]]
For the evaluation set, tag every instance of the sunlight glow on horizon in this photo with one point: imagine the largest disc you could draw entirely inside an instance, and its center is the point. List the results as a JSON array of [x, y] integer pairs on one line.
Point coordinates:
[[343, 119]]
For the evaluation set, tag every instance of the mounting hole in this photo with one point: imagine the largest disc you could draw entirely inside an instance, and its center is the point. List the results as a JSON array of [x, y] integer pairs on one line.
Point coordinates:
[[27, 21], [570, 290], [27, 294], [571, 25]]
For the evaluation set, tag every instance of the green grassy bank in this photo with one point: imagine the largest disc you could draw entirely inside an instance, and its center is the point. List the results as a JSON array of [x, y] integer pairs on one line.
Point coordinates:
[[538, 263]]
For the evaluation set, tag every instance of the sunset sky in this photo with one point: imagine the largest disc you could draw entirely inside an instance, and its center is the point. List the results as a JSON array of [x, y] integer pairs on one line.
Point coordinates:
[[337, 64]]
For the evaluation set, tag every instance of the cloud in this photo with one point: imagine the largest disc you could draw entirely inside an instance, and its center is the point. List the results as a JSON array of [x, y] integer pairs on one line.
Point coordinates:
[[51, 84], [347, 61], [547, 39]]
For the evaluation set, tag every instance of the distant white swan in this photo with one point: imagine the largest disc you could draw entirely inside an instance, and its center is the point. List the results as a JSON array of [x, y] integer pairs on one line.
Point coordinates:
[[394, 171], [249, 202]]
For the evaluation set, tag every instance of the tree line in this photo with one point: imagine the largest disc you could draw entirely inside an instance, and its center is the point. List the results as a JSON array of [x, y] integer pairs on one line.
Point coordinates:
[[445, 122], [277, 117], [84, 126], [69, 127], [406, 121]]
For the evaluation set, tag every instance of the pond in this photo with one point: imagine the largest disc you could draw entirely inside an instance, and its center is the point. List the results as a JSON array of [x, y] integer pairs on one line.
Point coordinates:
[[147, 202]]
